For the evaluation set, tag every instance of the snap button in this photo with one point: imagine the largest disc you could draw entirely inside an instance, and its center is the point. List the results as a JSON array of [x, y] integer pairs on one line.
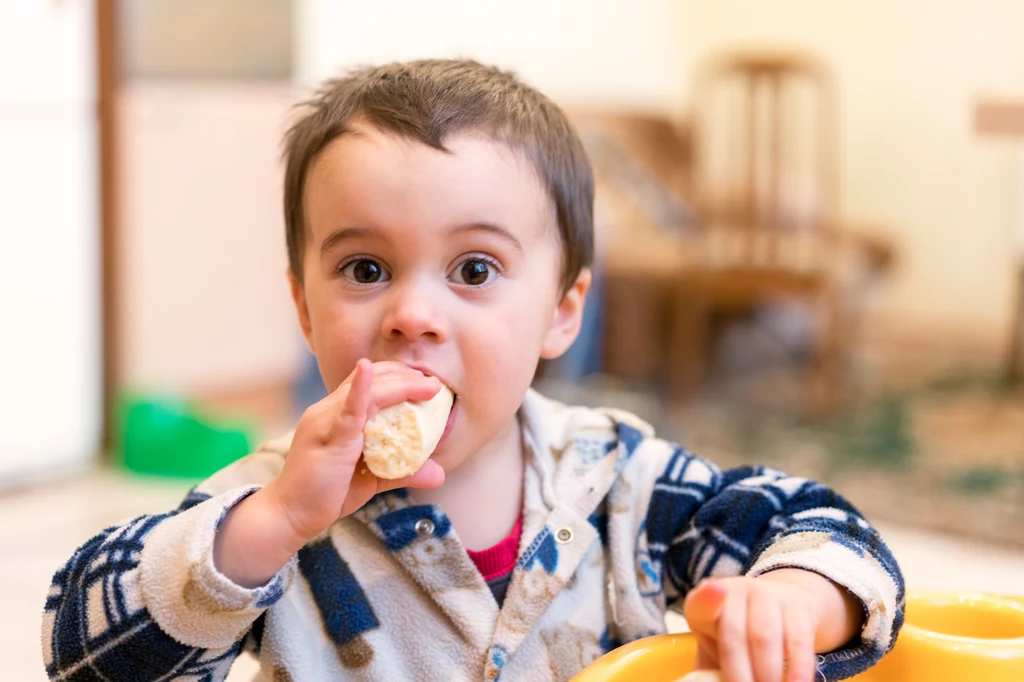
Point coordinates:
[[424, 527], [563, 535]]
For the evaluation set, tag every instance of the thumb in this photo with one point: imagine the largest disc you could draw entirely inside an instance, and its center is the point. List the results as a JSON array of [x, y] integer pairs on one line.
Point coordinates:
[[702, 609], [705, 659], [430, 475], [703, 605]]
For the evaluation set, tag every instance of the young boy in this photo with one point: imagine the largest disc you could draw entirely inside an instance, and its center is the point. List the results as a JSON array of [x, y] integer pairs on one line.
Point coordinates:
[[439, 231]]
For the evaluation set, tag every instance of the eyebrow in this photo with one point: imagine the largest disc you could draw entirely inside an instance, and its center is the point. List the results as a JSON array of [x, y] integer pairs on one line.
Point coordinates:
[[357, 232], [341, 235], [491, 228]]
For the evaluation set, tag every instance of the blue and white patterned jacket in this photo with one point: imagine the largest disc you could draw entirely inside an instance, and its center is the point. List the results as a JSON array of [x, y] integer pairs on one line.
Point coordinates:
[[617, 524]]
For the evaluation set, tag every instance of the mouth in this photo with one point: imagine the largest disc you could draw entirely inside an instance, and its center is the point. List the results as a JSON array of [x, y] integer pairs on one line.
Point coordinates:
[[423, 369], [450, 424], [452, 413]]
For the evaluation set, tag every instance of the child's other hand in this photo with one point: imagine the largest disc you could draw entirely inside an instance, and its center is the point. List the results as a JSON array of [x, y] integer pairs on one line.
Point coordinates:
[[747, 627], [323, 478]]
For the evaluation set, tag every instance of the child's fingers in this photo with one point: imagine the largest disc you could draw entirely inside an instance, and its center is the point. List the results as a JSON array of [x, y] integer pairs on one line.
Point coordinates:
[[703, 605], [701, 608], [764, 636], [354, 411], [798, 641], [706, 659], [430, 475], [365, 485], [733, 655], [367, 394], [391, 389], [377, 370]]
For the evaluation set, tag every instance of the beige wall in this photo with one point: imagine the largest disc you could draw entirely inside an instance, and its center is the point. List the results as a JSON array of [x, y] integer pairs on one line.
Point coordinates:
[[50, 348], [205, 301], [909, 73], [588, 52], [248, 39]]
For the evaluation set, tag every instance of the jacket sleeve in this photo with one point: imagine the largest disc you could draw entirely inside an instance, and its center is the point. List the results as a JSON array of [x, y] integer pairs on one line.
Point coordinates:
[[143, 601], [703, 522]]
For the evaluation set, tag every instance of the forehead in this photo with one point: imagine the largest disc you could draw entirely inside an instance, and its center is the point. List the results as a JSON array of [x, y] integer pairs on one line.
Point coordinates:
[[372, 179]]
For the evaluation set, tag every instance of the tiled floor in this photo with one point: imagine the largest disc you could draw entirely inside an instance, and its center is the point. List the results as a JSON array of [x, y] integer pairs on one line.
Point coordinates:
[[40, 527]]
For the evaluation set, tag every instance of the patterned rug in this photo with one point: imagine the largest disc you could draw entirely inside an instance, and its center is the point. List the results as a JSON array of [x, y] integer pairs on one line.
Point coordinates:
[[941, 449]]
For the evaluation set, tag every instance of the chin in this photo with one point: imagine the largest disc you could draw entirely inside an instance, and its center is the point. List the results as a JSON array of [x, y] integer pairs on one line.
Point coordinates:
[[453, 452]]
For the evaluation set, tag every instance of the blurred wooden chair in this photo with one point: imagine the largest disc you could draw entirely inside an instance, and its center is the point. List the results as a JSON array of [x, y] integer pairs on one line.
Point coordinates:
[[642, 217], [765, 187], [1006, 118]]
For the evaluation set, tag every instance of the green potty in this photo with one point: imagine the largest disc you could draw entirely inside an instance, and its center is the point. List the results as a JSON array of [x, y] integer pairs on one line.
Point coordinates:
[[171, 437]]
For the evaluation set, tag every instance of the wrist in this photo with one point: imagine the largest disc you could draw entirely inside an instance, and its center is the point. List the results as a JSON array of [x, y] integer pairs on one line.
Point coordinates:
[[837, 613], [278, 524], [253, 542]]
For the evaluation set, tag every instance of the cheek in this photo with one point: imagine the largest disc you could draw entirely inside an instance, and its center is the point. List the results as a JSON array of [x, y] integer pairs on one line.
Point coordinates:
[[503, 352], [338, 343], [335, 363]]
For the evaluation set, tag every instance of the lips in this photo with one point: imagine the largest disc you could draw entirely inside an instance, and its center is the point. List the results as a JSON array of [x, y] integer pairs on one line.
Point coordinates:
[[430, 373], [451, 420]]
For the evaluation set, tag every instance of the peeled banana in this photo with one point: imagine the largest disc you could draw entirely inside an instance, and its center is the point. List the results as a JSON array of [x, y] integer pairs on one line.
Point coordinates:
[[400, 438]]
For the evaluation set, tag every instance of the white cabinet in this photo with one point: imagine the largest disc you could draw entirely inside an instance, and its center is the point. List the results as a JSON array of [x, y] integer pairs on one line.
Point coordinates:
[[50, 314]]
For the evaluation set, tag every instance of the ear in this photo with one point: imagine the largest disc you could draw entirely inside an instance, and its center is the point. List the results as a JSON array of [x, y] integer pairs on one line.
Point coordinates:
[[565, 326], [301, 308]]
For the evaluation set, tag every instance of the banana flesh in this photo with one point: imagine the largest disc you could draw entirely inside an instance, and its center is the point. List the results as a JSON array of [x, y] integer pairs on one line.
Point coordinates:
[[400, 438]]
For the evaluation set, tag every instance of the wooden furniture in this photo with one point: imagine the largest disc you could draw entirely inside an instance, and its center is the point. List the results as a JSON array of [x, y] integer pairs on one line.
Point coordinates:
[[1007, 118], [654, 253], [765, 184], [641, 165], [1015, 357]]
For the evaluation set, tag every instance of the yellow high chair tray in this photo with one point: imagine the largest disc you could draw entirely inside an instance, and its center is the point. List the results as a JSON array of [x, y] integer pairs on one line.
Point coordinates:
[[947, 637]]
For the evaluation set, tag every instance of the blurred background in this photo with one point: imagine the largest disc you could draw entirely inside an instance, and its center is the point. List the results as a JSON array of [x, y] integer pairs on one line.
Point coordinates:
[[810, 226]]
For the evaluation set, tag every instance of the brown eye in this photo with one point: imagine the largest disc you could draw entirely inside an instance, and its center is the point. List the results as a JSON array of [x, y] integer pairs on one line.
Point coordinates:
[[364, 271], [476, 272]]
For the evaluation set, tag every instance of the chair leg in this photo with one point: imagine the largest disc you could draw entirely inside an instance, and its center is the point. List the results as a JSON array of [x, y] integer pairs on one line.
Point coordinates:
[[826, 365], [687, 340]]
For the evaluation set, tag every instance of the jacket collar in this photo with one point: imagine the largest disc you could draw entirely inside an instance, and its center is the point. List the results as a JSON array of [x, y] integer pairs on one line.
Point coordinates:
[[573, 456]]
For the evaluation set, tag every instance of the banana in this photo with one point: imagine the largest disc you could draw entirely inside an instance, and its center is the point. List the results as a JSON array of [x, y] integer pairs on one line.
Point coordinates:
[[400, 438]]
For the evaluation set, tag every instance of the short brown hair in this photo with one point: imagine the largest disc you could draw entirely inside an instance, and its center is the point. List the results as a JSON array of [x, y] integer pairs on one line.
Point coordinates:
[[429, 101]]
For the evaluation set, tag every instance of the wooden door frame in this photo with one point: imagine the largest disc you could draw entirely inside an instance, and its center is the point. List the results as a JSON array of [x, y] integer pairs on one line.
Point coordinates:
[[1015, 354], [107, 82]]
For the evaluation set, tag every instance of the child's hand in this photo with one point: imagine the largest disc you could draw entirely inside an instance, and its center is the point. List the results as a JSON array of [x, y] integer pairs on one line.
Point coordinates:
[[323, 478], [747, 627]]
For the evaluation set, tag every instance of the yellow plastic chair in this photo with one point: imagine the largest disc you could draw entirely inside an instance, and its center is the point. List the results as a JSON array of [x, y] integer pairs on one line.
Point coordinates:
[[947, 637]]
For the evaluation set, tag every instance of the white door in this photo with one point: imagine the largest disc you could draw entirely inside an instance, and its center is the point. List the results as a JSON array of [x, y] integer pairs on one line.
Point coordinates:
[[50, 315]]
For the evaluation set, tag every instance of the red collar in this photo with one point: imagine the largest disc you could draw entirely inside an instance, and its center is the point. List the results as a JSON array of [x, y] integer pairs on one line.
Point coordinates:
[[499, 560]]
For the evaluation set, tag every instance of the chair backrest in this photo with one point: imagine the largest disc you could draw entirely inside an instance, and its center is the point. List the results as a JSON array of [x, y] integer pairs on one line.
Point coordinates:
[[643, 155], [765, 144]]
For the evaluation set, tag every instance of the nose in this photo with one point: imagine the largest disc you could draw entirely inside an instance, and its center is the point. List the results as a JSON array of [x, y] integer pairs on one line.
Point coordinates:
[[414, 314]]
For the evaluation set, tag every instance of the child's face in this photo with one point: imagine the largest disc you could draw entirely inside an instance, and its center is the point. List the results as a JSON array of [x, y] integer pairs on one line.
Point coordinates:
[[448, 262]]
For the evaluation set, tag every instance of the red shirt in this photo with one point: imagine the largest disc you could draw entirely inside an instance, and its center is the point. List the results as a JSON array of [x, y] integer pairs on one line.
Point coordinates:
[[499, 560]]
